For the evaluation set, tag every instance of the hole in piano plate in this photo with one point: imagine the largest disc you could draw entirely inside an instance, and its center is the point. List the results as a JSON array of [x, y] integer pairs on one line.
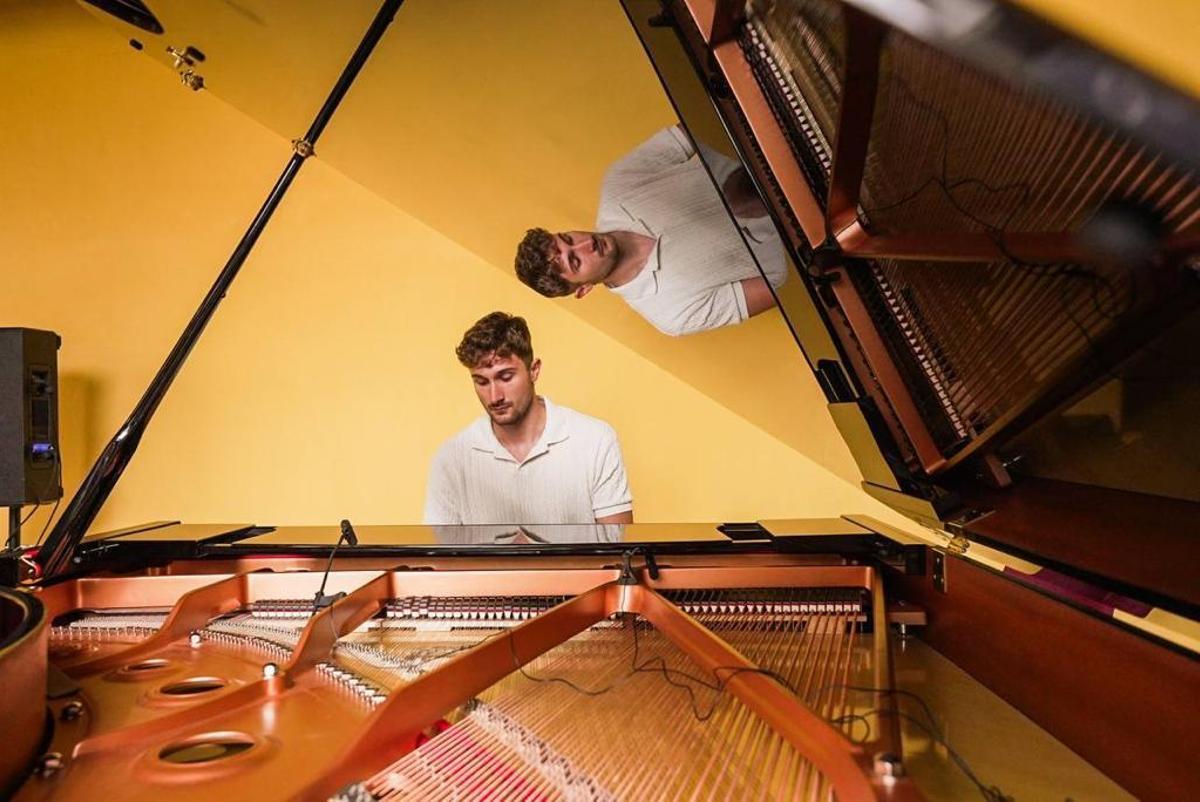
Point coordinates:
[[147, 665], [144, 670], [206, 748], [192, 686]]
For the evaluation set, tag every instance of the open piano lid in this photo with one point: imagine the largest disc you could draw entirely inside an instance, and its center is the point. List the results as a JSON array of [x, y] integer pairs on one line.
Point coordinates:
[[239, 51], [992, 218]]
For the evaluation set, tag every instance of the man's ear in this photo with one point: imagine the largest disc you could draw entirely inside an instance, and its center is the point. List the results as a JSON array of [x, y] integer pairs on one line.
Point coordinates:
[[535, 368], [584, 290]]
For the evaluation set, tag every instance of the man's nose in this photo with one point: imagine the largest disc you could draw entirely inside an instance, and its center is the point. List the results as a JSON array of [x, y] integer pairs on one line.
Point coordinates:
[[495, 394]]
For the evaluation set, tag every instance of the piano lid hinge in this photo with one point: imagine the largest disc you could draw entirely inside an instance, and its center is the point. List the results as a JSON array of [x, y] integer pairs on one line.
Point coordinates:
[[957, 544], [303, 148], [184, 62], [955, 529]]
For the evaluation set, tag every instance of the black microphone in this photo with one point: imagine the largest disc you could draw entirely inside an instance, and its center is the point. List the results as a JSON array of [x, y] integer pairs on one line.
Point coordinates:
[[320, 600], [348, 534]]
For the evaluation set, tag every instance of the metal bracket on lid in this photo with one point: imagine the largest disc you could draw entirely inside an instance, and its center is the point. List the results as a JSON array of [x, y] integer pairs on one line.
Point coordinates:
[[303, 148]]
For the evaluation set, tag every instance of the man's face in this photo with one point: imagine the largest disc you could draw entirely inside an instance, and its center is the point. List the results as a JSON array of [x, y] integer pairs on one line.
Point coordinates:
[[583, 258], [505, 387]]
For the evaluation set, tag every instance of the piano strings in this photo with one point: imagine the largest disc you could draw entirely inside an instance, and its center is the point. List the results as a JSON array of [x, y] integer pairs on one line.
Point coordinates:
[[619, 712]]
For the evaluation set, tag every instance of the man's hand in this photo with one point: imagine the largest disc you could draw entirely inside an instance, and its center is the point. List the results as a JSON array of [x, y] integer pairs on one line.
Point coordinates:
[[743, 200]]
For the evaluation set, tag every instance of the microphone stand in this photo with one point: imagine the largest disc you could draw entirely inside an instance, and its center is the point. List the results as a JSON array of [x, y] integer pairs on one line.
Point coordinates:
[[320, 600]]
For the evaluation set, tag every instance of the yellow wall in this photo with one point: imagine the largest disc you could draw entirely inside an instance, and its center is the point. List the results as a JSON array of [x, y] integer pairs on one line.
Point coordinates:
[[327, 378], [501, 116]]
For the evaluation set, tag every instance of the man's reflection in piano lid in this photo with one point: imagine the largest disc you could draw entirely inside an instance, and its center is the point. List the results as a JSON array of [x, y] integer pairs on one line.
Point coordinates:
[[665, 243]]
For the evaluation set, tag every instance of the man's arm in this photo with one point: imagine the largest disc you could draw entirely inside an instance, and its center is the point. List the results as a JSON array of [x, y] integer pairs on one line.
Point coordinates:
[[735, 183], [743, 200], [442, 505], [612, 502], [758, 295], [712, 308]]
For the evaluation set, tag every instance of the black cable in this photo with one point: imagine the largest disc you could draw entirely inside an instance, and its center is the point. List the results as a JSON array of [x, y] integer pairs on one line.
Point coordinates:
[[657, 664], [49, 520], [55, 478], [886, 691], [37, 506], [942, 181], [931, 728], [1102, 291], [462, 648], [994, 232], [667, 672], [57, 501], [991, 793]]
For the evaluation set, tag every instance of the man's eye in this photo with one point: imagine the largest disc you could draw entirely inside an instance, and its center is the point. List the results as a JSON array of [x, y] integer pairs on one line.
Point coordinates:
[[574, 260]]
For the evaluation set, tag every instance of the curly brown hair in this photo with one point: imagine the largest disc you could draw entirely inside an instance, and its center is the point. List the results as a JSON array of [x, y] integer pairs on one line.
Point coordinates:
[[499, 333], [534, 267]]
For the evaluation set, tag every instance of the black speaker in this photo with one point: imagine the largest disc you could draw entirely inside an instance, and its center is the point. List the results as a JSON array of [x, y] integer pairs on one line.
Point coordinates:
[[29, 458]]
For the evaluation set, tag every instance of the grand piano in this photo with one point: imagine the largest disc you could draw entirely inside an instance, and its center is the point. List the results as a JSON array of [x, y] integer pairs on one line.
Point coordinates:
[[991, 218]]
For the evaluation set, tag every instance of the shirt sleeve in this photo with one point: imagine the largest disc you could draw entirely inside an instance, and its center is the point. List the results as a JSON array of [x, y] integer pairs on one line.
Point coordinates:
[[768, 249], [610, 486], [442, 502], [723, 305]]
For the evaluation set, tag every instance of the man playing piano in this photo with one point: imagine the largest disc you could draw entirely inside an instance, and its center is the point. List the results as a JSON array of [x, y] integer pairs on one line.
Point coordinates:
[[664, 242], [526, 461]]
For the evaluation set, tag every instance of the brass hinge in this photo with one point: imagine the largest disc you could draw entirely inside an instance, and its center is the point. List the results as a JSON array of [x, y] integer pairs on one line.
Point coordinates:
[[957, 544]]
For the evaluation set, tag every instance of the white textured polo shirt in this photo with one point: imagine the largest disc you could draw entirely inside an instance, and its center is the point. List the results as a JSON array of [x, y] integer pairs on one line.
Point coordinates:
[[573, 475], [692, 280]]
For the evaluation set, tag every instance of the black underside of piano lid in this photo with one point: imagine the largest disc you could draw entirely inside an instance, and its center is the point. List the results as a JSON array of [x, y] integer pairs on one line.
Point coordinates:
[[1009, 278]]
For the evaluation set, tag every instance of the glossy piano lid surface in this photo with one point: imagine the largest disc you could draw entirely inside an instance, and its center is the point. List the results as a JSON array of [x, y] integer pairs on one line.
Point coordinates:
[[492, 535], [128, 530], [170, 532], [444, 122], [425, 120], [421, 535]]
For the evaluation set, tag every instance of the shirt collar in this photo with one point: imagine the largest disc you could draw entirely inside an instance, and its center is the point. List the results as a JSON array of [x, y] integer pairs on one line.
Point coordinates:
[[645, 283], [638, 221], [482, 438]]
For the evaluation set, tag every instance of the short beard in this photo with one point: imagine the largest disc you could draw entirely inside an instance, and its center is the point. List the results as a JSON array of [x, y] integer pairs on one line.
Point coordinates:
[[614, 252], [520, 415]]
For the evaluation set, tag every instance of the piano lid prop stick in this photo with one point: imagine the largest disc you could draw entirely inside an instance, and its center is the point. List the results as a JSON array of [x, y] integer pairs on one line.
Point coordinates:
[[55, 557]]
